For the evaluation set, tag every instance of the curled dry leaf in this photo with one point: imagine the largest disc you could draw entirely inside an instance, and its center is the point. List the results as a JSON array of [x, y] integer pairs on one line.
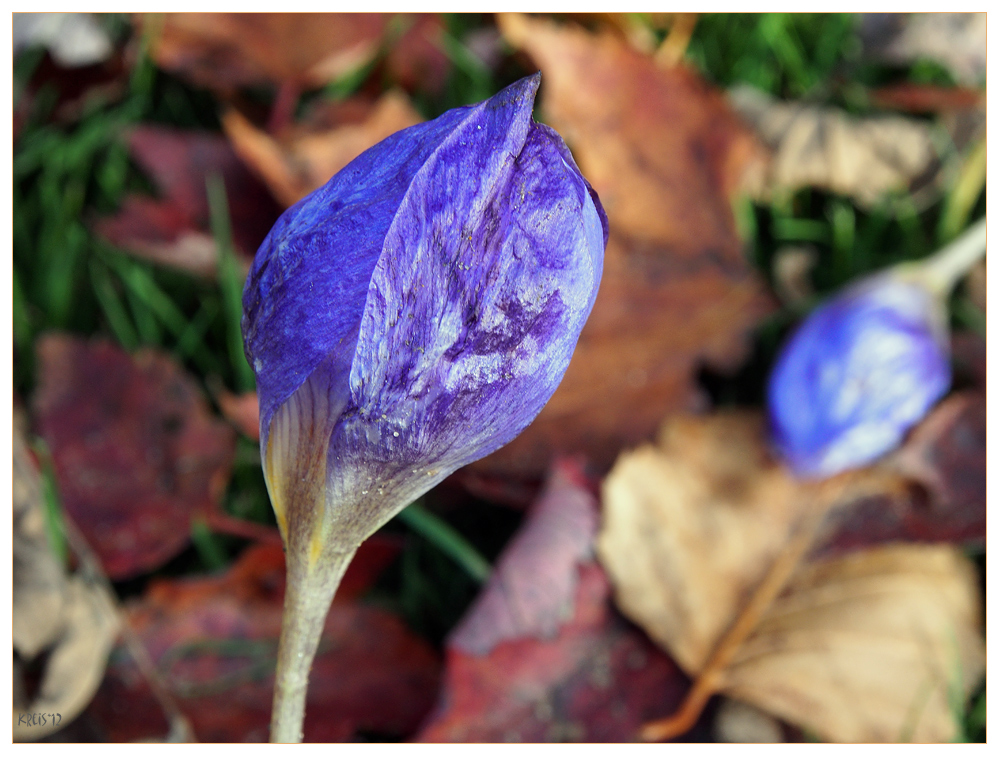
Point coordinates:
[[307, 156], [878, 646], [70, 618], [590, 677], [947, 453], [691, 526], [823, 147], [135, 450], [214, 641], [665, 154], [76, 663]]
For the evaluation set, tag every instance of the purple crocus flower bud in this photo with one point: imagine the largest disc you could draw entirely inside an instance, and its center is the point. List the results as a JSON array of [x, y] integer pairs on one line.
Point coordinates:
[[860, 371], [416, 312], [409, 317], [867, 365]]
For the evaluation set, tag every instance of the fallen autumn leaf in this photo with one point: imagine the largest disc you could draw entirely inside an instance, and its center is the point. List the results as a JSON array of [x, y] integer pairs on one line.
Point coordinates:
[[70, 619], [548, 659], [306, 156], [880, 646], [214, 641], [135, 451], [823, 147]]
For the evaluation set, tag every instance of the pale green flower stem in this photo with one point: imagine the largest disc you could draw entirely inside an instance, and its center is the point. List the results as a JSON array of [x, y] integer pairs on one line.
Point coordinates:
[[942, 270], [308, 595]]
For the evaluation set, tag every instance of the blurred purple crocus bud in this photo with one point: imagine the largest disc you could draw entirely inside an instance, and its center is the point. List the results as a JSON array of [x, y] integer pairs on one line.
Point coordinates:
[[411, 316], [867, 365]]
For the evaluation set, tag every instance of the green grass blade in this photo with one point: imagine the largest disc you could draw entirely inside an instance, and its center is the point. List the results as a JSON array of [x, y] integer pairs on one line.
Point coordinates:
[[114, 309], [230, 281], [207, 545], [22, 321], [448, 540], [55, 527]]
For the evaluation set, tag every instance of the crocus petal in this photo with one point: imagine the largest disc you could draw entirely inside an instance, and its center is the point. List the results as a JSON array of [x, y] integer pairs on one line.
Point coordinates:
[[860, 371], [306, 289], [485, 273]]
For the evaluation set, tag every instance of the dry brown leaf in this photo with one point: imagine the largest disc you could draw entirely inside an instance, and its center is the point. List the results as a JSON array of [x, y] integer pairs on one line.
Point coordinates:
[[39, 582], [531, 589], [823, 147], [692, 525], [223, 51], [665, 154], [174, 228], [873, 647], [304, 159], [71, 618], [956, 40]]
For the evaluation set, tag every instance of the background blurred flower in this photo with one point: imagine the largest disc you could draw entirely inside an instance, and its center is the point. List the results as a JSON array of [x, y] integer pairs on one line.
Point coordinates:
[[867, 365]]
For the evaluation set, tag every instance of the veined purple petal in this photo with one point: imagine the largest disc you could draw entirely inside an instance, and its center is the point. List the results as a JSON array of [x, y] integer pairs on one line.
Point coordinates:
[[860, 371], [306, 289]]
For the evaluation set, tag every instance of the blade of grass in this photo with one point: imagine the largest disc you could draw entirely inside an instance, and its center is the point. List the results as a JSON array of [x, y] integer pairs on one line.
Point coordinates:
[[212, 555], [465, 61], [155, 307], [55, 528], [962, 198], [230, 281], [800, 230], [191, 340], [843, 223], [113, 307], [448, 540], [145, 322], [22, 321]]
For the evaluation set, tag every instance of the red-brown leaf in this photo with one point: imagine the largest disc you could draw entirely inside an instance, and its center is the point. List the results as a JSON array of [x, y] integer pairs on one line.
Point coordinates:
[[599, 679], [541, 655], [945, 459], [533, 584], [214, 640], [224, 51], [175, 230], [135, 449]]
